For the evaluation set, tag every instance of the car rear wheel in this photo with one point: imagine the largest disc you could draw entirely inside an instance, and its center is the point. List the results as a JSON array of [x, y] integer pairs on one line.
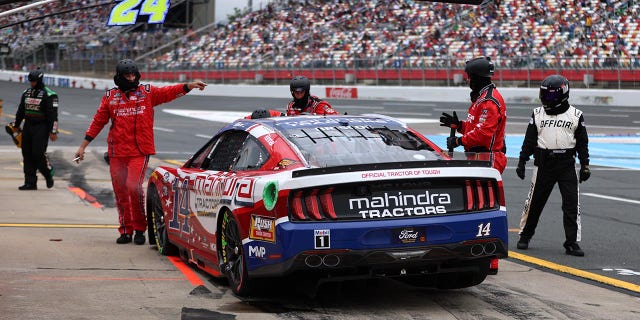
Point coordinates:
[[157, 226], [231, 256]]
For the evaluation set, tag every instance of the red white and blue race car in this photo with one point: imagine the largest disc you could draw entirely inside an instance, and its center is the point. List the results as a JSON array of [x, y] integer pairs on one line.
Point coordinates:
[[339, 197]]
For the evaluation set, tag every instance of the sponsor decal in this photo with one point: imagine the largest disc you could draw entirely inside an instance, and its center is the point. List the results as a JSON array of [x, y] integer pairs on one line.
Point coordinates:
[[125, 112], [262, 228], [322, 239], [285, 163], [399, 173], [35, 101], [257, 252], [399, 204], [409, 235], [342, 93], [205, 205]]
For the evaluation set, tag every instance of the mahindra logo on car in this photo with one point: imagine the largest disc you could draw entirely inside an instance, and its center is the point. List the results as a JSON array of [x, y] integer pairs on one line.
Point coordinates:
[[401, 205], [342, 93]]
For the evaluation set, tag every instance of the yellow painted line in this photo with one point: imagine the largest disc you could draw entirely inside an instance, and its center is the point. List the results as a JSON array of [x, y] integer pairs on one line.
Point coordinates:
[[176, 162], [65, 131], [576, 272], [57, 225]]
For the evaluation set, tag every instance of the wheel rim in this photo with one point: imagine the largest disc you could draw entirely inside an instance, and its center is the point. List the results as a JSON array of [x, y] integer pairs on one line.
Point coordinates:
[[159, 226], [232, 250]]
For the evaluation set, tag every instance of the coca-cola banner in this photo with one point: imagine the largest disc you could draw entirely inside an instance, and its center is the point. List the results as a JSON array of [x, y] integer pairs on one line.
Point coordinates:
[[342, 93]]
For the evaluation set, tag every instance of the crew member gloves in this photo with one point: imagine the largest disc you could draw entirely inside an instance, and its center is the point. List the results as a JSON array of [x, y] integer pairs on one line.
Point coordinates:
[[584, 173], [520, 169], [447, 120], [453, 142]]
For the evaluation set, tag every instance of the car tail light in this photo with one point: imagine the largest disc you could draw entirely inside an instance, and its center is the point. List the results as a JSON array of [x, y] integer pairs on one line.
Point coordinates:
[[501, 194], [482, 194], [327, 203], [296, 205], [318, 204]]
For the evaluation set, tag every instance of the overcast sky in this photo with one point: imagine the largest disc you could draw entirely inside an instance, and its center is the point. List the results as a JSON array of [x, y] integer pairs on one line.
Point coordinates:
[[225, 7]]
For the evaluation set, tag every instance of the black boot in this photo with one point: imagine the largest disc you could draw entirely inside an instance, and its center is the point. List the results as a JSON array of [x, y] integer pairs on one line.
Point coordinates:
[[139, 238], [573, 249], [49, 182], [124, 238], [523, 243], [28, 187]]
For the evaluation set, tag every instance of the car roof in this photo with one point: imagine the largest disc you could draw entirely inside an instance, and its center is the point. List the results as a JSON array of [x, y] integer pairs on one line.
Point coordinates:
[[314, 121]]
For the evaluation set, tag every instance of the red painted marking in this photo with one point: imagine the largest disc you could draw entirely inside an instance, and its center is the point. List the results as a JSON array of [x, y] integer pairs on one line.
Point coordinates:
[[85, 196], [186, 271]]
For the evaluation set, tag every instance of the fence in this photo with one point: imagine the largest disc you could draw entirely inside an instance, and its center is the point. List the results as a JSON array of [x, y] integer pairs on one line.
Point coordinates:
[[414, 71]]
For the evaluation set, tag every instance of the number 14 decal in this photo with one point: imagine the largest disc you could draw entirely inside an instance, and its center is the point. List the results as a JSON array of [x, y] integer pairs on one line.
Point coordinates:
[[126, 12], [484, 230]]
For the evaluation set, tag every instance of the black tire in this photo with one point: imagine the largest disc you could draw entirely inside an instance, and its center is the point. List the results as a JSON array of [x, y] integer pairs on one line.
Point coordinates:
[[231, 256], [157, 227]]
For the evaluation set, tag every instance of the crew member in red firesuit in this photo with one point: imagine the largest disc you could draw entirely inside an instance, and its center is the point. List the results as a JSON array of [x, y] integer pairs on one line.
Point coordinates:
[[129, 107], [39, 110], [484, 129], [305, 103]]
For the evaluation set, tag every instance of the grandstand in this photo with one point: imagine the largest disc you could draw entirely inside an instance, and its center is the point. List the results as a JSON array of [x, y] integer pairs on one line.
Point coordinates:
[[373, 42]]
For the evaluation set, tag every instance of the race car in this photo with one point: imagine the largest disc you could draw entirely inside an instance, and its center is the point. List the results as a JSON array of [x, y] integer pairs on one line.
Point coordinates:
[[330, 198]]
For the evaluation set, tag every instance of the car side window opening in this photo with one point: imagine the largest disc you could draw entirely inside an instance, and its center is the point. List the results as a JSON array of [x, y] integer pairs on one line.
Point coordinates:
[[201, 159], [347, 145], [252, 155], [226, 151]]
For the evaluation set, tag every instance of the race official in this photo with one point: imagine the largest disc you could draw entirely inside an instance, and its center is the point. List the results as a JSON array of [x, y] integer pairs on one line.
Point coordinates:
[[555, 135], [484, 128], [130, 108], [39, 109], [303, 102]]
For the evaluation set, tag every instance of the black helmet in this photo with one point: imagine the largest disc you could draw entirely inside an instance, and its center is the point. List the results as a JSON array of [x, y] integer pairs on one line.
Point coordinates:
[[260, 113], [554, 90], [479, 67], [36, 75], [300, 83], [124, 67], [127, 66]]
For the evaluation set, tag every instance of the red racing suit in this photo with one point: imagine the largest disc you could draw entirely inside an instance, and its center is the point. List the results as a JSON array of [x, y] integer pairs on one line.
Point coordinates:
[[130, 143], [314, 106], [484, 129]]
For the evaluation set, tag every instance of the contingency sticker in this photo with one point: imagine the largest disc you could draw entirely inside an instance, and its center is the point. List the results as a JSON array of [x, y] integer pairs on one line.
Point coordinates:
[[322, 239], [262, 228]]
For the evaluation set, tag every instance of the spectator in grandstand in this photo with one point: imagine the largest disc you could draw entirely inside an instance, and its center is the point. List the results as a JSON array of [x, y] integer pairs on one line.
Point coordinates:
[[304, 102], [39, 109], [484, 129], [129, 107], [555, 134]]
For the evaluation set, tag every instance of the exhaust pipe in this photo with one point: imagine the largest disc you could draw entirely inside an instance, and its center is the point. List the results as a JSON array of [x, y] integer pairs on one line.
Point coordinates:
[[490, 248], [313, 261], [330, 260]]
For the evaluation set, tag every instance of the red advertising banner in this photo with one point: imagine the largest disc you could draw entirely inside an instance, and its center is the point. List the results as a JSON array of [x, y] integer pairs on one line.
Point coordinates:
[[342, 93]]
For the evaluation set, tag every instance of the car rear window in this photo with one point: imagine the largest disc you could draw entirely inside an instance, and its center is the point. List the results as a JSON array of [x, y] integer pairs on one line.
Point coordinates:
[[348, 145]]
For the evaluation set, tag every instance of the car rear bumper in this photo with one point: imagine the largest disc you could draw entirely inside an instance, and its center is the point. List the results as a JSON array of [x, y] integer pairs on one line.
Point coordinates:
[[444, 244]]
